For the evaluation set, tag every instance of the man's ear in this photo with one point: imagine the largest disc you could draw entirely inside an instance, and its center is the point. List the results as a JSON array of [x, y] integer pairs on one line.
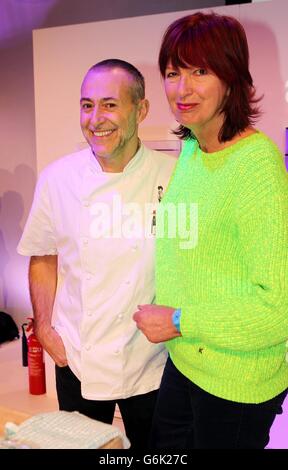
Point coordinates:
[[142, 110]]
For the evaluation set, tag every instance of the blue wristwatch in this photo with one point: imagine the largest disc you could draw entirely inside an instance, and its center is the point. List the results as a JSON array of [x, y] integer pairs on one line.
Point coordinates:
[[176, 318]]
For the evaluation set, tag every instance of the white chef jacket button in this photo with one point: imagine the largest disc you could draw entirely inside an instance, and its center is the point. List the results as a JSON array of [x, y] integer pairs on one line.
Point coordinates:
[[89, 313], [116, 351], [88, 277], [128, 282], [85, 203], [88, 347], [120, 316]]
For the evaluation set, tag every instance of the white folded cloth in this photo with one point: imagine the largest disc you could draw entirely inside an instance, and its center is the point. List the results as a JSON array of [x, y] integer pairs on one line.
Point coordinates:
[[63, 430]]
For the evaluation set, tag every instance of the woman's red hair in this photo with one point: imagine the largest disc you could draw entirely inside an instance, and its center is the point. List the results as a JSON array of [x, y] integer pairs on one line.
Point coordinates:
[[219, 43]]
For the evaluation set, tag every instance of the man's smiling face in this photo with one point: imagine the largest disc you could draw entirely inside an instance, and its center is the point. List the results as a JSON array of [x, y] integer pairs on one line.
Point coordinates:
[[108, 115]]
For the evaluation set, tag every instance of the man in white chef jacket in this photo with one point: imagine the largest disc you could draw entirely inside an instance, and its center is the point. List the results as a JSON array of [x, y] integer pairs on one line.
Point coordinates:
[[91, 238]]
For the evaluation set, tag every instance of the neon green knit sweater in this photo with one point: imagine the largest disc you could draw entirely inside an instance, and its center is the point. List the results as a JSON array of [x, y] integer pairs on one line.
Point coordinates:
[[232, 286]]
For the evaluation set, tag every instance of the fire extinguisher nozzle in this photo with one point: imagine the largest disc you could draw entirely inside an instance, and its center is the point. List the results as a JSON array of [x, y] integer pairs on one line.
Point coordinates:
[[24, 347]]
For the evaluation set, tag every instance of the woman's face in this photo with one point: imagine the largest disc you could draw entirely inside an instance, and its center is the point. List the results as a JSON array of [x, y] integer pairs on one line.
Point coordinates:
[[195, 96]]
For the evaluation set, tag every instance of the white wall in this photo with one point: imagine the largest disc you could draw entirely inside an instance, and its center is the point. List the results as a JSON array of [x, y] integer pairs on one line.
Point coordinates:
[[60, 61], [266, 27]]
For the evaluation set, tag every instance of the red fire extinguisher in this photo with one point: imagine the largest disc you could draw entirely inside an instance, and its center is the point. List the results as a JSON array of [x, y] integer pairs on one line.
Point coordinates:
[[33, 351]]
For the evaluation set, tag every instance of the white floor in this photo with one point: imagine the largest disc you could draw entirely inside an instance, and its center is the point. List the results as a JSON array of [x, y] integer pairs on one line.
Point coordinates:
[[14, 386]]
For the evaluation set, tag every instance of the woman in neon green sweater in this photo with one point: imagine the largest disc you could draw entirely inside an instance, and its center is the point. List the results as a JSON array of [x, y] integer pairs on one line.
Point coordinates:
[[222, 283]]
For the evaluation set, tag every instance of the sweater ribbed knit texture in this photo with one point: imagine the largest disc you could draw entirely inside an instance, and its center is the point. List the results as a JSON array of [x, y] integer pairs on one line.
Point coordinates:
[[232, 286]]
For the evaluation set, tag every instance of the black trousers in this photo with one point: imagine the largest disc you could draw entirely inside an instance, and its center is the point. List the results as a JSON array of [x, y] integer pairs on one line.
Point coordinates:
[[136, 412], [188, 417]]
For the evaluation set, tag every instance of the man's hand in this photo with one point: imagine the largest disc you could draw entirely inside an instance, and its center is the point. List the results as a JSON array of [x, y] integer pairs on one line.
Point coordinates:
[[155, 322], [52, 342], [43, 283]]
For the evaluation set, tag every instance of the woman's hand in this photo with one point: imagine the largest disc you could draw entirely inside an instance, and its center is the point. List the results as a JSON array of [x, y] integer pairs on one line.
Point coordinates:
[[155, 322]]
